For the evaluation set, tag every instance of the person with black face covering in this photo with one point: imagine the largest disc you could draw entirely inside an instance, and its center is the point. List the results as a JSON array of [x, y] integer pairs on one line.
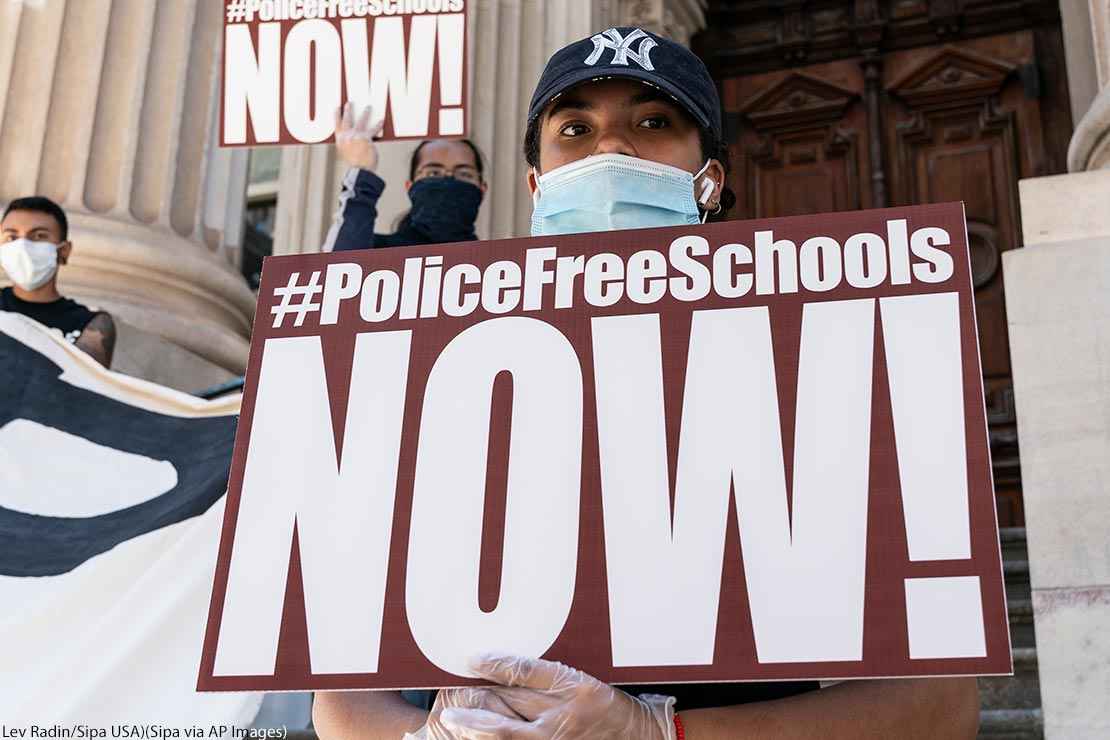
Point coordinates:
[[445, 185]]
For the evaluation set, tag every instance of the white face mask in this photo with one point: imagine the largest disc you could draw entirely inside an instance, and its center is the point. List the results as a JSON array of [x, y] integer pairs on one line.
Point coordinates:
[[29, 264]]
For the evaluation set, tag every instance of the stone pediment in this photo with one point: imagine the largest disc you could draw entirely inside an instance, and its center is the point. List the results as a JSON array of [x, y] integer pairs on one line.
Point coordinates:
[[951, 75], [797, 99]]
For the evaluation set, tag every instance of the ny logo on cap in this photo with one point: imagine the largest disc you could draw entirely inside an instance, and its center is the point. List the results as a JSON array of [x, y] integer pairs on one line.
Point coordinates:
[[622, 48]]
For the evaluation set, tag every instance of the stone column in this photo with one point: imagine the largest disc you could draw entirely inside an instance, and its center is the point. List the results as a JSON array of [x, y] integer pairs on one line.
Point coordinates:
[[510, 41], [110, 107], [308, 186], [676, 19], [1090, 146], [1058, 303], [1079, 55]]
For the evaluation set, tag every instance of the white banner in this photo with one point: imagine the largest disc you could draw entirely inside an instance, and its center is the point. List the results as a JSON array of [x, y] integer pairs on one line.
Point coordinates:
[[111, 501]]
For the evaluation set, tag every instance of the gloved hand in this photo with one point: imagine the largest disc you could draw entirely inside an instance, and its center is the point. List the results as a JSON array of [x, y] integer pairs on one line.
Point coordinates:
[[354, 138], [558, 702], [477, 699]]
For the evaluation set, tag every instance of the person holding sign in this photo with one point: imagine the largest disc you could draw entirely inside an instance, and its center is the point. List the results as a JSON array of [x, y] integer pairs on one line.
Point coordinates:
[[624, 131], [446, 186]]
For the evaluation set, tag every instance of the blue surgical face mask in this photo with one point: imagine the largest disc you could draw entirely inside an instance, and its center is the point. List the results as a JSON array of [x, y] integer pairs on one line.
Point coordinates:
[[608, 192]]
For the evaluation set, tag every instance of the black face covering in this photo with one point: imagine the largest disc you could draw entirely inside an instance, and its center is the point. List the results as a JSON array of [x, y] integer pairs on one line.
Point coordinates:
[[444, 208]]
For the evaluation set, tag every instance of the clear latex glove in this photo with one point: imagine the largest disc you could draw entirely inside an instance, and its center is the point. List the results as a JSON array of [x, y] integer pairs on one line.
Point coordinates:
[[354, 136], [558, 702], [475, 699]]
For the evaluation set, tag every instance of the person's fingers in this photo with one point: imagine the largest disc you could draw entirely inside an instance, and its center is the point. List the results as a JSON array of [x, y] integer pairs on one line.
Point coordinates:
[[338, 118], [495, 703], [364, 118], [529, 704], [479, 724], [514, 670], [478, 698], [376, 127], [348, 115]]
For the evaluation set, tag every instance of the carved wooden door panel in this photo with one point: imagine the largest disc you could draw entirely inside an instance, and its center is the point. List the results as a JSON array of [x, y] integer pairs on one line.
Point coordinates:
[[956, 122], [804, 142], [962, 123]]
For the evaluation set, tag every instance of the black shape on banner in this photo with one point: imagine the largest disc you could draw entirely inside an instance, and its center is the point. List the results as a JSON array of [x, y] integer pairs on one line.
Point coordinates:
[[199, 449]]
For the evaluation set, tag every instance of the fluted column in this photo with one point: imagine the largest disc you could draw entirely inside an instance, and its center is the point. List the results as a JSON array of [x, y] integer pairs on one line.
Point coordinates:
[[308, 184], [110, 108]]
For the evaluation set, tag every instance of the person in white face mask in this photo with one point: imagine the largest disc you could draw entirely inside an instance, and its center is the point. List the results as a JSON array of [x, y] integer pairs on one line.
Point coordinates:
[[33, 244], [624, 131]]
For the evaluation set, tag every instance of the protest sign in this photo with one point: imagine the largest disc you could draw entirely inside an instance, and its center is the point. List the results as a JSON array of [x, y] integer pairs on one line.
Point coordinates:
[[742, 451], [288, 64]]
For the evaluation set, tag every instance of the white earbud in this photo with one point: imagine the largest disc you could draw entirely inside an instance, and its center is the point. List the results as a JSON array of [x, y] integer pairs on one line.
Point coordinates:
[[706, 190]]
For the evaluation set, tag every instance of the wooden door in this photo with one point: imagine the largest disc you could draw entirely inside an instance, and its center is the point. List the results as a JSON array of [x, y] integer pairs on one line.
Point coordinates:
[[953, 122]]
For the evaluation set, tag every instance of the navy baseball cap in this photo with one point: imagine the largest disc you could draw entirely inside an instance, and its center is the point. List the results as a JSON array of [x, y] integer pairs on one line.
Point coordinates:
[[636, 54]]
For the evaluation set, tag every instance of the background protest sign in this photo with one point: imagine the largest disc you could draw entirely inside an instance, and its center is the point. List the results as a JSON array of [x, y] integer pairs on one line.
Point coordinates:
[[288, 64], [742, 451]]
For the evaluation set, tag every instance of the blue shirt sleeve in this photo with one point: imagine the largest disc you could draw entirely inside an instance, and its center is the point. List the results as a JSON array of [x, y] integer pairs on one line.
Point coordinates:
[[353, 226]]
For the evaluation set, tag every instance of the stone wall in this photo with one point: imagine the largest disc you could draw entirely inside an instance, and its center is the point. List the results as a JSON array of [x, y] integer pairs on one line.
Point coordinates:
[[1058, 302]]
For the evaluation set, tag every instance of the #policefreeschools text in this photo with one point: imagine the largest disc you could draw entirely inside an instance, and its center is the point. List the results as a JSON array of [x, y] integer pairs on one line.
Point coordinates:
[[690, 271]]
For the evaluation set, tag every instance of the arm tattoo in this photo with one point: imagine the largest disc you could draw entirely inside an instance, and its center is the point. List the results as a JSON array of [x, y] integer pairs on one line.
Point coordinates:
[[99, 338]]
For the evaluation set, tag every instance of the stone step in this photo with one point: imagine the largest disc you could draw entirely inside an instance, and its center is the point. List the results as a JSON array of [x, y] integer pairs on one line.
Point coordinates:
[[1013, 543], [1019, 691], [1016, 575], [1011, 724], [1015, 563], [1021, 623]]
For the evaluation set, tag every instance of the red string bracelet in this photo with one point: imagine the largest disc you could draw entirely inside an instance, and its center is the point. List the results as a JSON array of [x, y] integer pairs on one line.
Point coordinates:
[[680, 731]]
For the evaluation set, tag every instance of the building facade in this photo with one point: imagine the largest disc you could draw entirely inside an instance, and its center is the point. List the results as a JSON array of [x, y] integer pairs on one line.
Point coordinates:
[[110, 107]]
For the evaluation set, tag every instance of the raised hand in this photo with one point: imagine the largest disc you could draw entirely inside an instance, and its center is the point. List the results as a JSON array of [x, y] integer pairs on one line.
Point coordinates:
[[354, 137]]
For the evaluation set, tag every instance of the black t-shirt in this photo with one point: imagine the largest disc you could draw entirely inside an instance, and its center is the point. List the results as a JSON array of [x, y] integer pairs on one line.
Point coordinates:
[[706, 695], [65, 314], [688, 695]]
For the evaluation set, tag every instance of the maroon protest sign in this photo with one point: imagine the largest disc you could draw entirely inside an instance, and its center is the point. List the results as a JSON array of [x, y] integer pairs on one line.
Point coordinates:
[[288, 64], [742, 451]]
